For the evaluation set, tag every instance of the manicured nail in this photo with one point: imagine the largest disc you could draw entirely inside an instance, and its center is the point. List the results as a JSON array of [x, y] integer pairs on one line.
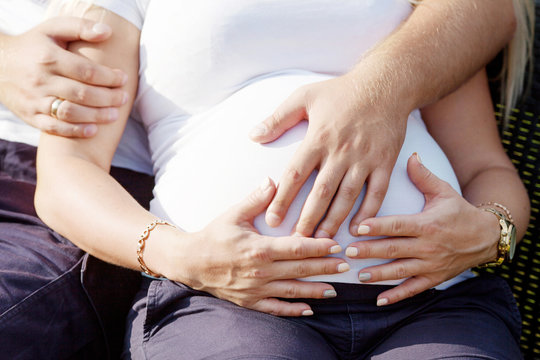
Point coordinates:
[[329, 293], [417, 157], [351, 251], [335, 249], [265, 184], [364, 276], [307, 313], [112, 115], [343, 267], [259, 130], [362, 230], [101, 28], [272, 219], [90, 130], [322, 234], [382, 302]]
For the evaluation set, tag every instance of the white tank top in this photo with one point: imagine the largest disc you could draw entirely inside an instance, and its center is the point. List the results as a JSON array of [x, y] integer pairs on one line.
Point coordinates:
[[228, 67]]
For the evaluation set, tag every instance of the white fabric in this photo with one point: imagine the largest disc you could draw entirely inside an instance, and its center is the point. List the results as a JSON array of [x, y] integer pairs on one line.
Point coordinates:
[[227, 68], [18, 16]]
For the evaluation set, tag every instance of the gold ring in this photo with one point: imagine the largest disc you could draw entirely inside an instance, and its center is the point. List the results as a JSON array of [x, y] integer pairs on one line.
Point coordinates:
[[54, 107]]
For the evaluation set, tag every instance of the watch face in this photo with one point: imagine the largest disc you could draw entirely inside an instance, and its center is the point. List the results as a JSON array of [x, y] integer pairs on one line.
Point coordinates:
[[512, 235]]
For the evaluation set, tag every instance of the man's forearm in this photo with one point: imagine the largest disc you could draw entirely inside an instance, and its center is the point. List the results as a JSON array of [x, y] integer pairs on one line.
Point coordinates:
[[442, 44]]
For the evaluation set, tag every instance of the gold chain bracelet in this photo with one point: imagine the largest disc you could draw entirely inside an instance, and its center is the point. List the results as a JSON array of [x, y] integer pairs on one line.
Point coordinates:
[[142, 243], [500, 206]]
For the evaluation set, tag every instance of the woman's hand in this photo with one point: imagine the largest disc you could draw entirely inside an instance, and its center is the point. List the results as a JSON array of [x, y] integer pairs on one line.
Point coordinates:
[[448, 237], [349, 139], [36, 69], [231, 260]]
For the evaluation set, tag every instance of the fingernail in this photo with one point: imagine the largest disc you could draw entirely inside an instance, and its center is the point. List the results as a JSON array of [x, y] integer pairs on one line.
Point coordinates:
[[322, 234], [124, 78], [272, 219], [343, 267], [382, 302], [362, 230], [101, 28], [351, 252], [258, 130], [329, 293], [307, 313], [335, 249], [417, 157], [364, 276], [90, 130], [266, 184], [113, 114]]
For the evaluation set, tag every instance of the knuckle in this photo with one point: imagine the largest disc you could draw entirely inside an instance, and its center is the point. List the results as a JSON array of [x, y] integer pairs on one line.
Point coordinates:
[[348, 192], [293, 175], [82, 94], [46, 56], [298, 251], [323, 191], [88, 73], [396, 227], [400, 271], [302, 269], [291, 291], [66, 111], [378, 193], [391, 251], [259, 255]]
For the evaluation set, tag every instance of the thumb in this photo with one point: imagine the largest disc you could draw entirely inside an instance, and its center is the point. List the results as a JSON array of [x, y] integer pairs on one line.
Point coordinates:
[[288, 114], [427, 182], [67, 28], [256, 202]]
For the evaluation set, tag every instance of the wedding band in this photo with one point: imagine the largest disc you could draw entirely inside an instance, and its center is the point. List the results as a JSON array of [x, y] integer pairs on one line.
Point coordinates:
[[54, 107]]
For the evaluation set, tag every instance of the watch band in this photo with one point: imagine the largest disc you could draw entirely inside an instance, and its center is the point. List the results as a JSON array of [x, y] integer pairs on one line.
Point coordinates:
[[507, 239]]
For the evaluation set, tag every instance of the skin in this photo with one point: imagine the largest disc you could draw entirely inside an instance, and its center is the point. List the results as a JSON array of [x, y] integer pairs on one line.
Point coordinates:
[[356, 126], [36, 68], [228, 258]]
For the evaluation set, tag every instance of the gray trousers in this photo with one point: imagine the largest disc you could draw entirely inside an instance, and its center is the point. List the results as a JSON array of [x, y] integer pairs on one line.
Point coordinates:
[[475, 319]]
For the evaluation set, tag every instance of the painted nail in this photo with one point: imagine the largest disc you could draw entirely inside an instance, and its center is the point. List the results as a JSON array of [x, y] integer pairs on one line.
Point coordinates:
[[382, 302], [272, 219], [321, 234], [335, 249], [307, 313], [364, 276], [343, 267], [362, 230], [351, 252], [101, 28], [329, 293], [259, 130], [418, 157]]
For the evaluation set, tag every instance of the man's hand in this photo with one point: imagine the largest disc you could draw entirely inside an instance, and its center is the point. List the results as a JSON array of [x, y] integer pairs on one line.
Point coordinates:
[[36, 69], [349, 140]]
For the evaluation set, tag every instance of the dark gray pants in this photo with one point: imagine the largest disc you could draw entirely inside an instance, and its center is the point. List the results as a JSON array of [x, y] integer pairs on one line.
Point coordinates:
[[55, 301], [476, 319]]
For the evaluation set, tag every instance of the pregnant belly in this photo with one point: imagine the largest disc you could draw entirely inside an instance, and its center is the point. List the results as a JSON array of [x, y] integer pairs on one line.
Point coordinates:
[[210, 164]]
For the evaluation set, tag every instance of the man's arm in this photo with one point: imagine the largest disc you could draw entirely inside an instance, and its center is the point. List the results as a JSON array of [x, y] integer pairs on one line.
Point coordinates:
[[357, 122]]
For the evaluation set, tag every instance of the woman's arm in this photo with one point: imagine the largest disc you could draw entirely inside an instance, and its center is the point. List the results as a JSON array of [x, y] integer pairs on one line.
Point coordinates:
[[357, 121], [451, 234], [229, 259]]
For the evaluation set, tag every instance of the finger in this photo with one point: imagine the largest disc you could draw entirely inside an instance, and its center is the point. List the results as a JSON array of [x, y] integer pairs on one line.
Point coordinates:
[[391, 248], [295, 289], [348, 191], [296, 269], [427, 182], [74, 113], [393, 225], [77, 67], [318, 200], [409, 288], [394, 270], [256, 202], [87, 95], [295, 247], [57, 127], [282, 308], [66, 28], [288, 114], [300, 168], [377, 185]]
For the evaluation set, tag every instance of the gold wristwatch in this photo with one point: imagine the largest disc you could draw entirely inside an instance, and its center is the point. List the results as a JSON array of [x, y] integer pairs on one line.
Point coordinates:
[[507, 240]]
